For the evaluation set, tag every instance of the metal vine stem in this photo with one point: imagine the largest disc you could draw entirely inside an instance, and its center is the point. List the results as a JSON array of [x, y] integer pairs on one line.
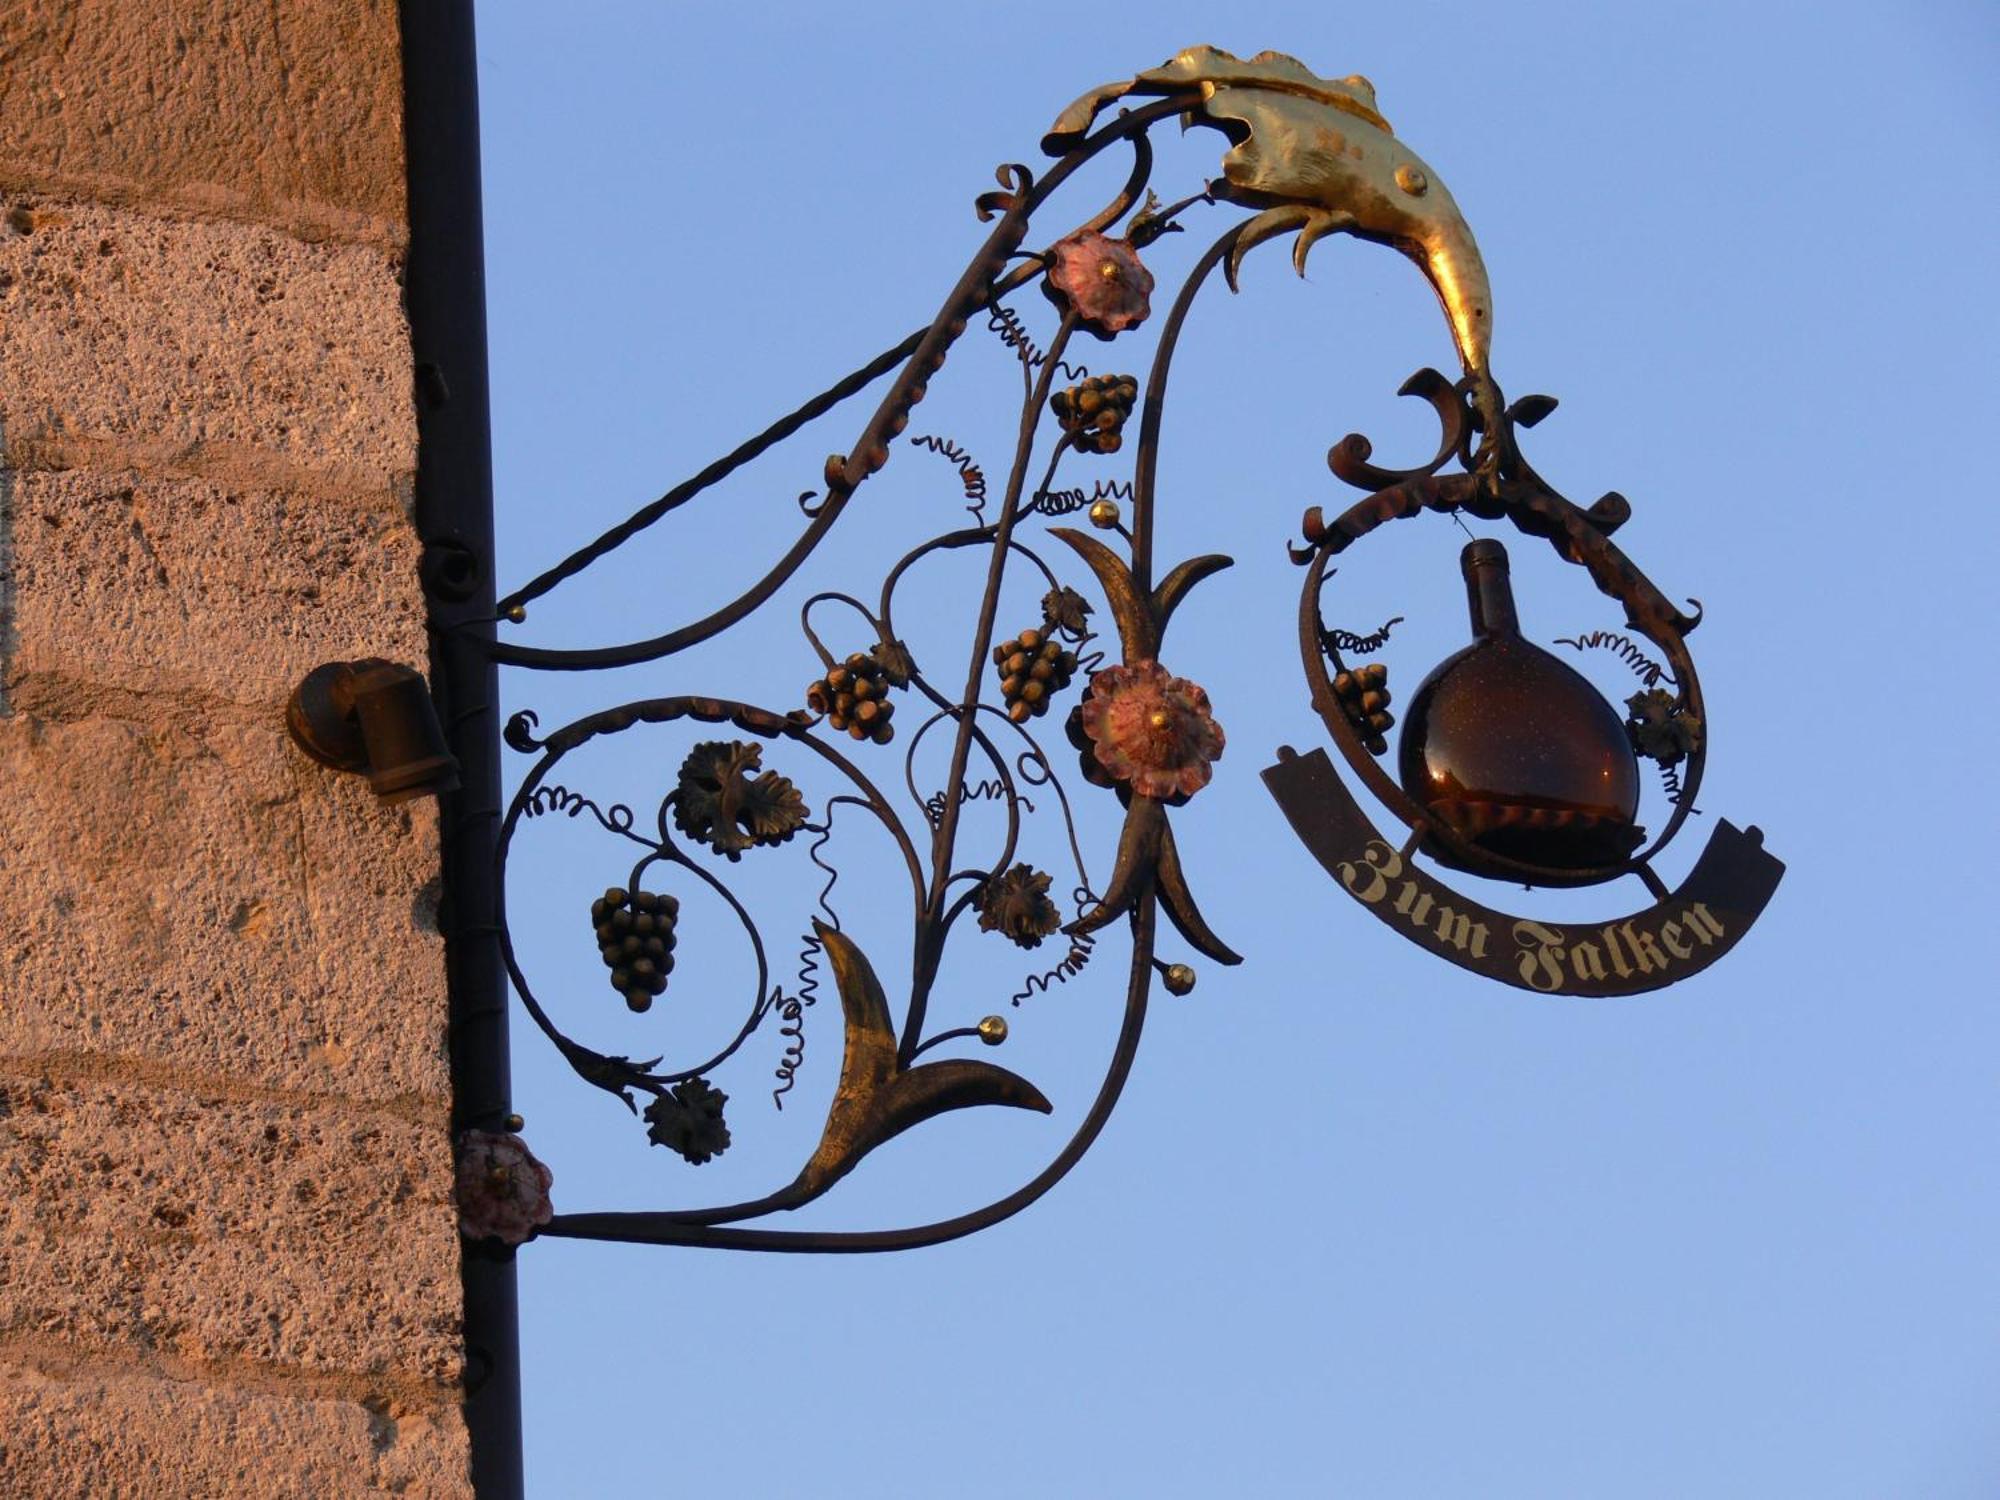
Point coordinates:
[[726, 800]]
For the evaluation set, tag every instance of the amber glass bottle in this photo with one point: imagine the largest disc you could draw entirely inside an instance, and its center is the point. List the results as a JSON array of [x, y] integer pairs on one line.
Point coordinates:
[[1515, 749]]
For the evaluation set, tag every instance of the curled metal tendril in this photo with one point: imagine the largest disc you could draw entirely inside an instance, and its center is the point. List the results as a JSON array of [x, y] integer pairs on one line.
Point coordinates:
[[1348, 643], [1073, 963], [618, 818], [975, 791], [1670, 783], [1069, 501], [1007, 323], [791, 1018], [970, 476], [1648, 670]]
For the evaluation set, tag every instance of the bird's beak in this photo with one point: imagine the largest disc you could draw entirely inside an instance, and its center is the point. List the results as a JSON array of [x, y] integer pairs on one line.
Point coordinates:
[[1451, 261], [1405, 205]]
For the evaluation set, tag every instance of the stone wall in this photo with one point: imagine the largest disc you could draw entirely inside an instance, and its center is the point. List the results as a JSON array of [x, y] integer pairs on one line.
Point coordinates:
[[228, 1260]]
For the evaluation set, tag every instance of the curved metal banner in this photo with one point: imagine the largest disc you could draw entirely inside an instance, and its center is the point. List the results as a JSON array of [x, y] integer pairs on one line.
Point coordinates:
[[1680, 935]]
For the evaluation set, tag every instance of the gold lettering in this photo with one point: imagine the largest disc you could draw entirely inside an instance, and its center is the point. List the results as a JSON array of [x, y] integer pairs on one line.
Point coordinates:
[[1645, 952], [1701, 922], [1413, 904], [1618, 965], [1584, 959], [1670, 939], [1460, 931], [1541, 955], [1370, 883]]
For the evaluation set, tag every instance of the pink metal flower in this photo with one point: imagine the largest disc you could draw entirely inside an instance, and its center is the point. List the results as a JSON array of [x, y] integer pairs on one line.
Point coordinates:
[[503, 1192], [1100, 280], [1151, 729]]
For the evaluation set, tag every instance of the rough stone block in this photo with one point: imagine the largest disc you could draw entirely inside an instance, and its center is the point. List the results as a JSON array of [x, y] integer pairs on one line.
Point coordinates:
[[173, 335], [291, 113], [130, 581], [199, 1227], [89, 1435], [183, 886]]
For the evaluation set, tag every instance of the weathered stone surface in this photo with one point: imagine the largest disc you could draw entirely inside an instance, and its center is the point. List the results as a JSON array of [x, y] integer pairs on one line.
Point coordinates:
[[202, 1227], [371, 871], [144, 583], [172, 334], [93, 1435], [290, 113], [228, 1256], [184, 886]]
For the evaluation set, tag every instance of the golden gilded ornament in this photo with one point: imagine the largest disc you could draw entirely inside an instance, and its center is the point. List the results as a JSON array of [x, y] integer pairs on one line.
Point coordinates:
[[1317, 156]]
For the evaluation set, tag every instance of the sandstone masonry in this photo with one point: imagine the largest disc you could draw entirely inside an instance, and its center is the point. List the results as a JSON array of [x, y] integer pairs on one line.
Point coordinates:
[[228, 1258]]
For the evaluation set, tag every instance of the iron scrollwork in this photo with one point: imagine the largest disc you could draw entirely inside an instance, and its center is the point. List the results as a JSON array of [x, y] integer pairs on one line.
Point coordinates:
[[1308, 157]]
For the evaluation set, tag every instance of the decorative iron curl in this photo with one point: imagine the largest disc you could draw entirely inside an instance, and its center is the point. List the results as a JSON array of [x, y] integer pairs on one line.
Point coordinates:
[[1349, 644], [987, 790], [1016, 182], [549, 798], [1649, 671], [970, 475], [791, 1012], [1670, 781], [1074, 962], [520, 732], [1014, 334], [1350, 458], [1067, 502]]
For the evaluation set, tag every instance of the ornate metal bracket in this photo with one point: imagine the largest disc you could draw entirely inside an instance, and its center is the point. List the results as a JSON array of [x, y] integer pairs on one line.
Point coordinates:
[[1308, 157]]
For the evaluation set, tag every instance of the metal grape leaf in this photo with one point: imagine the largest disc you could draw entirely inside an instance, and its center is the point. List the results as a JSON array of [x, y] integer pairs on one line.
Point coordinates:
[[1067, 610], [1661, 730], [718, 804]]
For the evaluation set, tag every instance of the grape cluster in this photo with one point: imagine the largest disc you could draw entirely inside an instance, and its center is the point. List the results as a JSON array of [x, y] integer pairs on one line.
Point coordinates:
[[635, 935], [855, 697], [1095, 411], [1033, 668], [1364, 696]]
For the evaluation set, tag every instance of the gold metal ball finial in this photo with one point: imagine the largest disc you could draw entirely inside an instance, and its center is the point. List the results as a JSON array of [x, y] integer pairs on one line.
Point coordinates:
[[1179, 979], [1104, 514], [514, 1124], [993, 1030], [516, 613]]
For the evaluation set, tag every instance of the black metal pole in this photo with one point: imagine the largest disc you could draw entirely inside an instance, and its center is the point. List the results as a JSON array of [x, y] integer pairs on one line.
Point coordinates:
[[445, 293]]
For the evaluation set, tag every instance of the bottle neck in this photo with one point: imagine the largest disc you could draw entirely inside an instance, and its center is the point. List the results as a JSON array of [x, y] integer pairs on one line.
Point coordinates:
[[1489, 593]]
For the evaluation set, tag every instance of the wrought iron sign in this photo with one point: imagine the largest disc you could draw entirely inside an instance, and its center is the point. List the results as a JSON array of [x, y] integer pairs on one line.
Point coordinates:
[[1508, 763]]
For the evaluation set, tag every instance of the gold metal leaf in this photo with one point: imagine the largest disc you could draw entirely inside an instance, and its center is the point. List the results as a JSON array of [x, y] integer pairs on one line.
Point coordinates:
[[1138, 632], [876, 1100]]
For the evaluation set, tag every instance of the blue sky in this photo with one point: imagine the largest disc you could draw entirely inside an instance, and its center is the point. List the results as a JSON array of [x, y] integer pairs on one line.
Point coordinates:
[[1364, 1225]]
